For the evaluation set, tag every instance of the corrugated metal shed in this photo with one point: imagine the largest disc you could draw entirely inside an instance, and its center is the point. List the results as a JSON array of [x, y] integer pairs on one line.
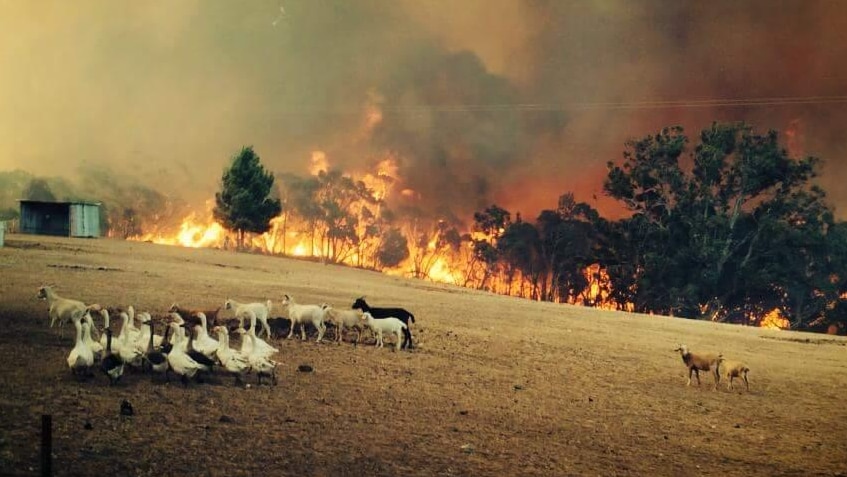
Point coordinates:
[[2, 232], [68, 219]]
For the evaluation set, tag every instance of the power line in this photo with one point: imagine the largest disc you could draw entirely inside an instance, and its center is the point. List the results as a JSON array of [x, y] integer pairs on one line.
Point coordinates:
[[570, 106]]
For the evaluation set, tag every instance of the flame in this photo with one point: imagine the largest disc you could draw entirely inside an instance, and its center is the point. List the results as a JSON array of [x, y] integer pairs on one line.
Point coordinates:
[[775, 320]]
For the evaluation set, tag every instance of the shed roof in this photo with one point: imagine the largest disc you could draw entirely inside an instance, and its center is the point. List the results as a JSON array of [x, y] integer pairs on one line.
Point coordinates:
[[59, 202]]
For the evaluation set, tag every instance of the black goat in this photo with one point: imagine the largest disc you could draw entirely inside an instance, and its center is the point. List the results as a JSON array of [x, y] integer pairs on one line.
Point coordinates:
[[399, 313]]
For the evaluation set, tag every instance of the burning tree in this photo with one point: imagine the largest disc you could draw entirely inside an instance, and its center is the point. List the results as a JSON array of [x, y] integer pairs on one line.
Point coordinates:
[[244, 203]]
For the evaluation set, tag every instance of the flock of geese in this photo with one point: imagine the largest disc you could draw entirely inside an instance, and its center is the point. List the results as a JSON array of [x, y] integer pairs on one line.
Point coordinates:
[[186, 348]]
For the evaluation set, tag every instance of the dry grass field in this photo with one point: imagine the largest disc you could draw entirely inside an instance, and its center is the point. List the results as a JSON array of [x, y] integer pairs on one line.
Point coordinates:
[[497, 385]]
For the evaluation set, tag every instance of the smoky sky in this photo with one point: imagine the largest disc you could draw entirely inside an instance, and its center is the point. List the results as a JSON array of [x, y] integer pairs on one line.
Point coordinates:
[[479, 101]]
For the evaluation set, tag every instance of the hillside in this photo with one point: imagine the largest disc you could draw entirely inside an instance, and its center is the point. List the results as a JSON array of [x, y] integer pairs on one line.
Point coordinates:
[[497, 385]]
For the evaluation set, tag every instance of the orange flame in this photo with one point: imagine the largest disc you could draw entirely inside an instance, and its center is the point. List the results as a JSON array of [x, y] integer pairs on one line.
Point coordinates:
[[775, 320]]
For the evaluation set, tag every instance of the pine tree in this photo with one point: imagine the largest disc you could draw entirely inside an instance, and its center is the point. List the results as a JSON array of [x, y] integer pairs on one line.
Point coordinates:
[[244, 203]]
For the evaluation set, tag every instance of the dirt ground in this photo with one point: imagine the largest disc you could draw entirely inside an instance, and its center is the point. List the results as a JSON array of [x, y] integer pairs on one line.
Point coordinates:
[[496, 386]]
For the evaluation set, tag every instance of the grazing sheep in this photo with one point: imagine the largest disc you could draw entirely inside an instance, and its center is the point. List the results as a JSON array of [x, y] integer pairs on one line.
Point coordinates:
[[303, 314], [342, 319], [380, 313], [384, 326], [734, 369], [700, 362], [262, 311]]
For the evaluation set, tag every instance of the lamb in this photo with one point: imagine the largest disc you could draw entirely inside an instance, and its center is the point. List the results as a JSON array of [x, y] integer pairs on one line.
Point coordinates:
[[380, 313], [262, 310], [382, 326], [342, 319], [700, 362], [734, 369], [303, 314]]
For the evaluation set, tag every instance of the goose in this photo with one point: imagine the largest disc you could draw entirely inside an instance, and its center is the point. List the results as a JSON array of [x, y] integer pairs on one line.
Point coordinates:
[[248, 346], [205, 361], [146, 333], [203, 342], [128, 353], [116, 344], [157, 360], [81, 358], [233, 361], [179, 361], [259, 362], [111, 365], [96, 348]]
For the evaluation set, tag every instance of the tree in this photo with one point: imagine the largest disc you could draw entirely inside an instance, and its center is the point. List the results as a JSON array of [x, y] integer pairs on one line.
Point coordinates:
[[244, 203], [39, 189], [734, 229], [393, 249]]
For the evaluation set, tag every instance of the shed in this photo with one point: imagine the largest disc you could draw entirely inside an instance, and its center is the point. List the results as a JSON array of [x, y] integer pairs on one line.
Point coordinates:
[[2, 232], [67, 219]]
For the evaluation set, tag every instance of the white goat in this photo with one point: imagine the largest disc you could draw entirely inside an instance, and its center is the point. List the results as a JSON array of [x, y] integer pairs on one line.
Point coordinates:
[[344, 318], [303, 314], [262, 310], [384, 326]]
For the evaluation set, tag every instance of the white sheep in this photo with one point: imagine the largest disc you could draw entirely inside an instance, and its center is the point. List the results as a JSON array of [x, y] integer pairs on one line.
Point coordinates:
[[262, 311], [734, 369], [62, 310], [303, 314], [700, 362], [384, 326], [344, 318]]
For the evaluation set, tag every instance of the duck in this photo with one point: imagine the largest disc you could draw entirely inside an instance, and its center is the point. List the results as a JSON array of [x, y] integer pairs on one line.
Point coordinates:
[[116, 345], [179, 361], [233, 361], [81, 358], [111, 365]]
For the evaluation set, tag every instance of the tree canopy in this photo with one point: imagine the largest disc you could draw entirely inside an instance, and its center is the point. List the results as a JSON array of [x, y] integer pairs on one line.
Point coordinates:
[[246, 201]]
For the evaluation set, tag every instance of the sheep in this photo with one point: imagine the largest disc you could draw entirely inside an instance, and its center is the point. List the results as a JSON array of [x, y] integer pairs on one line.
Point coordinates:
[[262, 310], [303, 314], [342, 319], [382, 326], [191, 315], [380, 313], [734, 369], [700, 362], [63, 310]]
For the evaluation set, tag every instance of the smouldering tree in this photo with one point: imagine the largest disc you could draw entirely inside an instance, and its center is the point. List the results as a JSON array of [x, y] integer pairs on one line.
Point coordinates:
[[245, 202], [39, 189]]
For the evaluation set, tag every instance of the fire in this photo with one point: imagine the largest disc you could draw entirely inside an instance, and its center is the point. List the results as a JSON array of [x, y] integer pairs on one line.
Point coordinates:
[[775, 320], [192, 233]]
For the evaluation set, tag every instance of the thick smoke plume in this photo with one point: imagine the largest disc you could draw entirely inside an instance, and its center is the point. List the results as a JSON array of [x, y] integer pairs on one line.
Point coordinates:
[[513, 102]]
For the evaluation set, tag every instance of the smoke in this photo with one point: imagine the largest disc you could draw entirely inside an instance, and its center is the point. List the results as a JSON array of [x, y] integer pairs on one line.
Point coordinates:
[[506, 101]]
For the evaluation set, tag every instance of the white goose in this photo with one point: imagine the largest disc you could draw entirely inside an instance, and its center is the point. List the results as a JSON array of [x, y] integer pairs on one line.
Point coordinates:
[[203, 342], [264, 366], [145, 334], [81, 358], [95, 347], [255, 345], [180, 362], [116, 344], [233, 361], [128, 352]]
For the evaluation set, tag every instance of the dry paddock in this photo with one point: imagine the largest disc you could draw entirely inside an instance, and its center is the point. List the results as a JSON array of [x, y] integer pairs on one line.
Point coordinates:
[[497, 385]]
